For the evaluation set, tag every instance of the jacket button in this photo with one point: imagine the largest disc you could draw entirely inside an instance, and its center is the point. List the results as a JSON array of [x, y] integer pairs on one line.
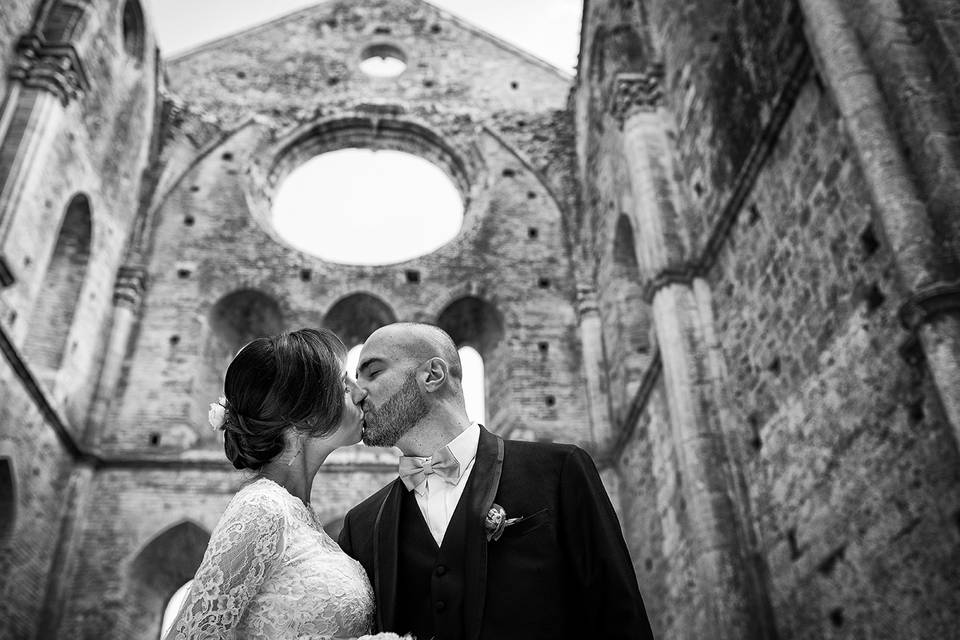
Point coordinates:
[[440, 605], [441, 569]]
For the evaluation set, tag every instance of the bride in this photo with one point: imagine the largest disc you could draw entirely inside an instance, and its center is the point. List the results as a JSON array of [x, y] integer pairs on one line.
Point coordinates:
[[270, 571]]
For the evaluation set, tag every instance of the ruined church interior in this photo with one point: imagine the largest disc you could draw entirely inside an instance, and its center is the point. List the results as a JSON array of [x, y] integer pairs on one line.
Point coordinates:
[[722, 256]]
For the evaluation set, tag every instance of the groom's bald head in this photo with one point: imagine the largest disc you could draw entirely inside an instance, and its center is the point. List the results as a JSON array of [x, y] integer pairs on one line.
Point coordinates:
[[417, 341]]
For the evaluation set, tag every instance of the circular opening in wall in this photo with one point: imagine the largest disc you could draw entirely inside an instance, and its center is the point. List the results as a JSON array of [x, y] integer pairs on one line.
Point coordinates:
[[365, 207], [383, 61]]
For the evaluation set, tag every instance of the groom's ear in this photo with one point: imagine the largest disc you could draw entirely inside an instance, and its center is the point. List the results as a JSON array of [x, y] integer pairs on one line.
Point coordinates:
[[437, 372]]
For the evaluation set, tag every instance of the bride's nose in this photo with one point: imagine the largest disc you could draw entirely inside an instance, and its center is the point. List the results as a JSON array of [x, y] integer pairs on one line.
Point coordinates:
[[356, 393]]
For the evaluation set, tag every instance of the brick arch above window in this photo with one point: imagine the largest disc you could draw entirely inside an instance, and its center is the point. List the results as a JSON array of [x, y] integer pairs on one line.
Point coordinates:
[[354, 317], [472, 321]]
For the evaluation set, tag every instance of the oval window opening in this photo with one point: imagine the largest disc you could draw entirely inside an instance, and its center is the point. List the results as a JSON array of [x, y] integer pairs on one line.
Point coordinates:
[[383, 61], [365, 207]]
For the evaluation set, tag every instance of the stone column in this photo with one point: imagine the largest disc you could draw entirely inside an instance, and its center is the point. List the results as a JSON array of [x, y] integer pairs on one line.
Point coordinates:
[[127, 296], [730, 603], [46, 77], [63, 564], [932, 311], [594, 368]]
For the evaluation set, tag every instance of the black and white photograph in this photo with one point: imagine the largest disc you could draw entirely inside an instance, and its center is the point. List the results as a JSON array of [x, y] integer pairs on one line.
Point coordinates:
[[479, 320]]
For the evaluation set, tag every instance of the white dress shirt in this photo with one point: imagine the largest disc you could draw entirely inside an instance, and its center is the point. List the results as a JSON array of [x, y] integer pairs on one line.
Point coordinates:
[[436, 497]]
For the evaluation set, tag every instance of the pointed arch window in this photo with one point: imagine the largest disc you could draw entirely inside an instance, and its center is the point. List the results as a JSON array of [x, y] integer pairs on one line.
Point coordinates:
[[173, 607], [133, 30], [59, 295], [158, 572], [474, 385], [8, 499]]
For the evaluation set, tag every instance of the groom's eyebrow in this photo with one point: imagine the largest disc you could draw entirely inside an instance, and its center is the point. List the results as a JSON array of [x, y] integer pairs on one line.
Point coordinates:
[[366, 364]]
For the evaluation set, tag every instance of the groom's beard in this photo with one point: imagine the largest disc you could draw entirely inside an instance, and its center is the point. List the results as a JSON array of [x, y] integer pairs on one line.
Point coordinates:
[[401, 412]]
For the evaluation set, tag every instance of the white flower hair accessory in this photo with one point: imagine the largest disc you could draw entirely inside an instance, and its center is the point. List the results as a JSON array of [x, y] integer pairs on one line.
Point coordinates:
[[217, 417]]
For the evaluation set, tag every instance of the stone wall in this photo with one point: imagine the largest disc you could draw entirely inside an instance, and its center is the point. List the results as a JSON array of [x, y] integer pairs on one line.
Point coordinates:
[[39, 471], [96, 149], [154, 523], [715, 315], [842, 463]]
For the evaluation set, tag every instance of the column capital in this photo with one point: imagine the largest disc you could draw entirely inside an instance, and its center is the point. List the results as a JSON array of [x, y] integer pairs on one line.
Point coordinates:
[[636, 92], [928, 302], [53, 66], [587, 299], [130, 285], [680, 274]]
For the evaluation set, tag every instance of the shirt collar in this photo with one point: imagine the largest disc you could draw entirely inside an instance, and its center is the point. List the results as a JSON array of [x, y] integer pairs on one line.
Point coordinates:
[[464, 446]]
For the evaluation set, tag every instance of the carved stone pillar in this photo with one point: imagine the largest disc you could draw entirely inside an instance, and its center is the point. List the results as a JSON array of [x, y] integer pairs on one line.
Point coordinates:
[[63, 565], [127, 296], [594, 367], [46, 77], [730, 604]]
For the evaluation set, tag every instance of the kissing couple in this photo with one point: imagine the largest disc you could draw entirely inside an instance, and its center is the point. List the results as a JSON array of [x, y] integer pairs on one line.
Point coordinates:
[[478, 538]]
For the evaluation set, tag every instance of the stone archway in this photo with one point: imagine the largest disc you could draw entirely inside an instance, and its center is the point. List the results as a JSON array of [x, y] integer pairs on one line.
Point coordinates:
[[473, 322], [133, 30], [355, 316], [626, 320], [233, 321], [161, 567]]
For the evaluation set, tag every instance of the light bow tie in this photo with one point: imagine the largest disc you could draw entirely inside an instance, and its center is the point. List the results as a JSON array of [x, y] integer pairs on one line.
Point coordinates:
[[414, 471]]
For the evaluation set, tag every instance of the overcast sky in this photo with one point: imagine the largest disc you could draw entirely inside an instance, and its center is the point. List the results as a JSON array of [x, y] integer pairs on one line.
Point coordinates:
[[547, 28]]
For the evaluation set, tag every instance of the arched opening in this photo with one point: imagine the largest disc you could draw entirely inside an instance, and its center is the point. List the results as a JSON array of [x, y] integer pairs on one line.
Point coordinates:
[[8, 499], [133, 29], [235, 319], [626, 320], [353, 359], [63, 22], [475, 323], [474, 384], [159, 570], [351, 205], [59, 295], [173, 607], [356, 316], [383, 61], [241, 316]]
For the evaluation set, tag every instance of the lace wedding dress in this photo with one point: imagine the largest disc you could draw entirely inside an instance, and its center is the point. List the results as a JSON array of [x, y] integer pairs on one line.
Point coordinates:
[[270, 572]]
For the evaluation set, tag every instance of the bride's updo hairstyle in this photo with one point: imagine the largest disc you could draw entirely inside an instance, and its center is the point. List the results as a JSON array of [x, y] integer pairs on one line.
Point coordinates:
[[290, 380]]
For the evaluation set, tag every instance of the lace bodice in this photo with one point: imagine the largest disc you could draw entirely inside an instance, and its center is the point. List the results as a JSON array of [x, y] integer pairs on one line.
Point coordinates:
[[270, 572]]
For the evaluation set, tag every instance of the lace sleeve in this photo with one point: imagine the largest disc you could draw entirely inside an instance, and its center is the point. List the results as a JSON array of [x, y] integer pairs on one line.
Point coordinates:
[[245, 547]]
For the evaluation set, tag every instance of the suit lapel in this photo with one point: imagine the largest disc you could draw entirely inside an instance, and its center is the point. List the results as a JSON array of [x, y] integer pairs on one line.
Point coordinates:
[[486, 477], [385, 533]]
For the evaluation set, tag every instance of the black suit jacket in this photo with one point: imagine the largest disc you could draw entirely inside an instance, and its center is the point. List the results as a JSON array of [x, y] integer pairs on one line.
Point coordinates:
[[562, 572]]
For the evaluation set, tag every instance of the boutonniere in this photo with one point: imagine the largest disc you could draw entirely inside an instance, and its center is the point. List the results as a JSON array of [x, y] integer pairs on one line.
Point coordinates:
[[496, 521]]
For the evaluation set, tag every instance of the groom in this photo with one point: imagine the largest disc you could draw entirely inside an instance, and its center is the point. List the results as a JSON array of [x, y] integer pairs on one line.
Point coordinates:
[[480, 538]]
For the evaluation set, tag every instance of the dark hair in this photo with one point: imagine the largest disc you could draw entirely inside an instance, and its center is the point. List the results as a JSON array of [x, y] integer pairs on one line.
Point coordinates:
[[292, 379]]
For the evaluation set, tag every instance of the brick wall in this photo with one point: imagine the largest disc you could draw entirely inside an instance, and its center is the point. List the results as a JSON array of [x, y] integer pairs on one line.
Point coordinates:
[[39, 470], [851, 466]]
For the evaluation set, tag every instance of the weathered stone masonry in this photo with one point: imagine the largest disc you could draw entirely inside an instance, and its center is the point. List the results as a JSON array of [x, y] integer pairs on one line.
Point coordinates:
[[723, 258]]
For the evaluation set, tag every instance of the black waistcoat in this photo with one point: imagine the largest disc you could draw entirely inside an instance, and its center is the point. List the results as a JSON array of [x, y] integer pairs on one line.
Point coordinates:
[[430, 579]]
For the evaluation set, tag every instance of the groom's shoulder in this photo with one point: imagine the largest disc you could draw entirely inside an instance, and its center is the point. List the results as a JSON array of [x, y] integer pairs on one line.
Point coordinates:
[[538, 454]]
